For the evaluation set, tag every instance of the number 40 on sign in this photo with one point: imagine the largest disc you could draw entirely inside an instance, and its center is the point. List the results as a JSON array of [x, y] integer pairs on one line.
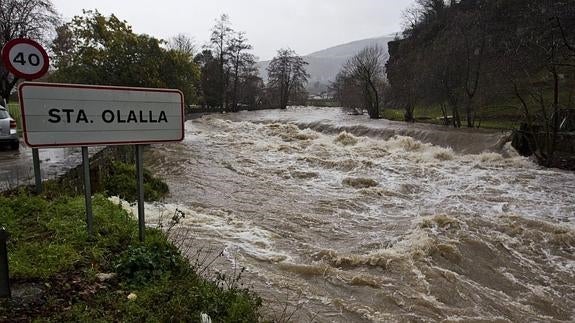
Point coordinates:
[[25, 58]]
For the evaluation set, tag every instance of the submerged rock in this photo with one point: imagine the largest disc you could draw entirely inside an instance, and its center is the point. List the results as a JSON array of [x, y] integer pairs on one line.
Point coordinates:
[[360, 182]]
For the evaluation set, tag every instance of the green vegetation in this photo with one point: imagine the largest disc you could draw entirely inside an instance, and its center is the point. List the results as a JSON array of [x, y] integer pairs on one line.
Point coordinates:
[[490, 117], [95, 49], [488, 66], [122, 183], [50, 250], [92, 48], [393, 114]]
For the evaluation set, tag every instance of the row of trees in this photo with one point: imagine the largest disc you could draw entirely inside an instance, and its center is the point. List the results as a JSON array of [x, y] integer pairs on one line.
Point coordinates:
[[442, 58], [229, 72], [462, 55], [230, 79], [97, 49]]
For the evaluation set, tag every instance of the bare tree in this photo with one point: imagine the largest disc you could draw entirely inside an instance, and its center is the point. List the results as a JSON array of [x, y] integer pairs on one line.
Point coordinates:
[[221, 34], [367, 67], [183, 44], [411, 17], [421, 13], [347, 91], [405, 75], [471, 48], [537, 61], [287, 75], [252, 87], [240, 60], [23, 18]]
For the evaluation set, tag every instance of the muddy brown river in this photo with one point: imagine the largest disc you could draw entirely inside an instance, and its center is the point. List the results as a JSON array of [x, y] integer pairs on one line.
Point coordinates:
[[337, 218]]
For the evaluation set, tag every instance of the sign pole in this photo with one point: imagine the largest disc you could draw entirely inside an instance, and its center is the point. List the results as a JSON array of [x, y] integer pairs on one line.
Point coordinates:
[[4, 273], [140, 183], [27, 59], [37, 170], [67, 115], [88, 190]]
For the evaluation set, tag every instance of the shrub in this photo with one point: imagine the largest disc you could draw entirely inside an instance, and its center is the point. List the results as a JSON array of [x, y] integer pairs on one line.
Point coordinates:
[[122, 183], [140, 264]]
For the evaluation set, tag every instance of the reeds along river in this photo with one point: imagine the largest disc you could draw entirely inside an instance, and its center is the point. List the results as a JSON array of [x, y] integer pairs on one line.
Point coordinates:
[[349, 219]]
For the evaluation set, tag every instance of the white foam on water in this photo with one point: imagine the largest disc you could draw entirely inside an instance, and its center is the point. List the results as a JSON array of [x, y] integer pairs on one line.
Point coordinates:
[[415, 231], [218, 225]]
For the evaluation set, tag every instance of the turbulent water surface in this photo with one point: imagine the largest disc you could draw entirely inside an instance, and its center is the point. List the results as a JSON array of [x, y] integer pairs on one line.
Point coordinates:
[[339, 218]]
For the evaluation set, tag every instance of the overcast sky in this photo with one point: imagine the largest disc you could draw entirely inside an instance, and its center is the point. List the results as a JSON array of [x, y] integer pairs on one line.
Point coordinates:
[[303, 25]]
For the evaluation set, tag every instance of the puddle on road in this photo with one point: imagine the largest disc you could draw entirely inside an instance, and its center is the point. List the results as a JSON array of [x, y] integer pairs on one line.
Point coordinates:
[[16, 166]]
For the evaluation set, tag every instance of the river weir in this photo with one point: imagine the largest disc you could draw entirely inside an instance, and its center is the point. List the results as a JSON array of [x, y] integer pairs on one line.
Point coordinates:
[[342, 218]]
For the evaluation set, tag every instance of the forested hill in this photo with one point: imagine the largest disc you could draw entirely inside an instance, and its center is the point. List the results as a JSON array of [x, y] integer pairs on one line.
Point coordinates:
[[471, 54], [325, 64]]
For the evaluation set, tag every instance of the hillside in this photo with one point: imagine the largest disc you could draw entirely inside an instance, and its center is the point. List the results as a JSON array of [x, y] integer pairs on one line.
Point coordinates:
[[502, 66], [325, 64]]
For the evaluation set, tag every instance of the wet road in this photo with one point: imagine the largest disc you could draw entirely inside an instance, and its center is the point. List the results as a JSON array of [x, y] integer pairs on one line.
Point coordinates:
[[16, 166]]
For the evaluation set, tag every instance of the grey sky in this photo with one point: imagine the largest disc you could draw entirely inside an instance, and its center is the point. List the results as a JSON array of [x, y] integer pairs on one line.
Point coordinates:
[[303, 25]]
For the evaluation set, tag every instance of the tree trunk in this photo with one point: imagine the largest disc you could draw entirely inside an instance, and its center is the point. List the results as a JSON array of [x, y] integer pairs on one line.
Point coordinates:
[[455, 114], [235, 93], [408, 115], [5, 85], [444, 113], [555, 120], [373, 106], [470, 115]]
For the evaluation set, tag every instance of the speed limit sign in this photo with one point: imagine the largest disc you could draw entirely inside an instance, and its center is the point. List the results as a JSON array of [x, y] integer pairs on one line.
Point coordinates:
[[25, 58]]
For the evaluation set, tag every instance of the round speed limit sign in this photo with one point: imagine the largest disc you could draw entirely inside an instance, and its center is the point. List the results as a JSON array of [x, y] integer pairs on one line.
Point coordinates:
[[25, 58]]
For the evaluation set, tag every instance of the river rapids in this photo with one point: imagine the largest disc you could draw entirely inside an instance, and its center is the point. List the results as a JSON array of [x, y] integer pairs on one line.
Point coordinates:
[[337, 218]]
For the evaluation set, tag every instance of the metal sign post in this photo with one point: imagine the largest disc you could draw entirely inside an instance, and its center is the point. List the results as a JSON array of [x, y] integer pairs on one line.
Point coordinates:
[[73, 115], [4, 273], [87, 190], [27, 59], [140, 183], [37, 170]]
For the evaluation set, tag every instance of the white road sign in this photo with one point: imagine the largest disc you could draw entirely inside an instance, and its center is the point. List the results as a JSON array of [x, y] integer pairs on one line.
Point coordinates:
[[55, 115], [25, 58]]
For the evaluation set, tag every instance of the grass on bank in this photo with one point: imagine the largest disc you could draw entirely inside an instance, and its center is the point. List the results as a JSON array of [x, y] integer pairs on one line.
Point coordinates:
[[122, 183], [492, 117], [504, 117], [50, 250]]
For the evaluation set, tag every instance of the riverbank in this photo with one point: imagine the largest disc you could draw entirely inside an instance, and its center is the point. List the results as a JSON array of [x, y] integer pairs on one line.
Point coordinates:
[[497, 117], [60, 273]]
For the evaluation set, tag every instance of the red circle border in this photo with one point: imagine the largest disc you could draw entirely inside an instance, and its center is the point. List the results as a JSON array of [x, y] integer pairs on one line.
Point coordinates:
[[5, 57]]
